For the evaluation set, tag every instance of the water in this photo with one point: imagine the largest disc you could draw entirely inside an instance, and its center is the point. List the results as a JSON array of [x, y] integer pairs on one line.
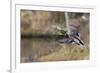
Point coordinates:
[[48, 49], [34, 48]]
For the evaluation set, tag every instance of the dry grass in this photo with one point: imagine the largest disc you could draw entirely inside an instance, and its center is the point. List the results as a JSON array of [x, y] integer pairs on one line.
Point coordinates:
[[67, 53]]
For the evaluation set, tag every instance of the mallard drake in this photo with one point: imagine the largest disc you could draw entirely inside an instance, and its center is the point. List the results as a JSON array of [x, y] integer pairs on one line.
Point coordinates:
[[73, 37]]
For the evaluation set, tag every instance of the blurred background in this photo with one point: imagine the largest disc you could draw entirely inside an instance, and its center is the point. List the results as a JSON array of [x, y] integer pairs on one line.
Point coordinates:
[[38, 36]]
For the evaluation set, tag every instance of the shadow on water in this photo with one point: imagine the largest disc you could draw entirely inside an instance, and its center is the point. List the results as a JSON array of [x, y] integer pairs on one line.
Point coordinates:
[[34, 48]]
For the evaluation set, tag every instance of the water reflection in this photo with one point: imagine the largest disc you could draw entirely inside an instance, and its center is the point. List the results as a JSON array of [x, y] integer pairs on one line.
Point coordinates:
[[32, 49], [42, 48]]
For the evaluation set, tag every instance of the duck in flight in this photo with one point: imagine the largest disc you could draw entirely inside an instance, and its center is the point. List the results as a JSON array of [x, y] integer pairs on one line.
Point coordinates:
[[72, 38]]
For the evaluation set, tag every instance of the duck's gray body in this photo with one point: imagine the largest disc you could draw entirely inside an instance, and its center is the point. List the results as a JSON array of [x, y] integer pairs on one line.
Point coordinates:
[[73, 37]]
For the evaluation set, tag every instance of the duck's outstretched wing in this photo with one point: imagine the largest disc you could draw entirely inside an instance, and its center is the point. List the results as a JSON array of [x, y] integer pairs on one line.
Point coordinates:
[[66, 40]]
